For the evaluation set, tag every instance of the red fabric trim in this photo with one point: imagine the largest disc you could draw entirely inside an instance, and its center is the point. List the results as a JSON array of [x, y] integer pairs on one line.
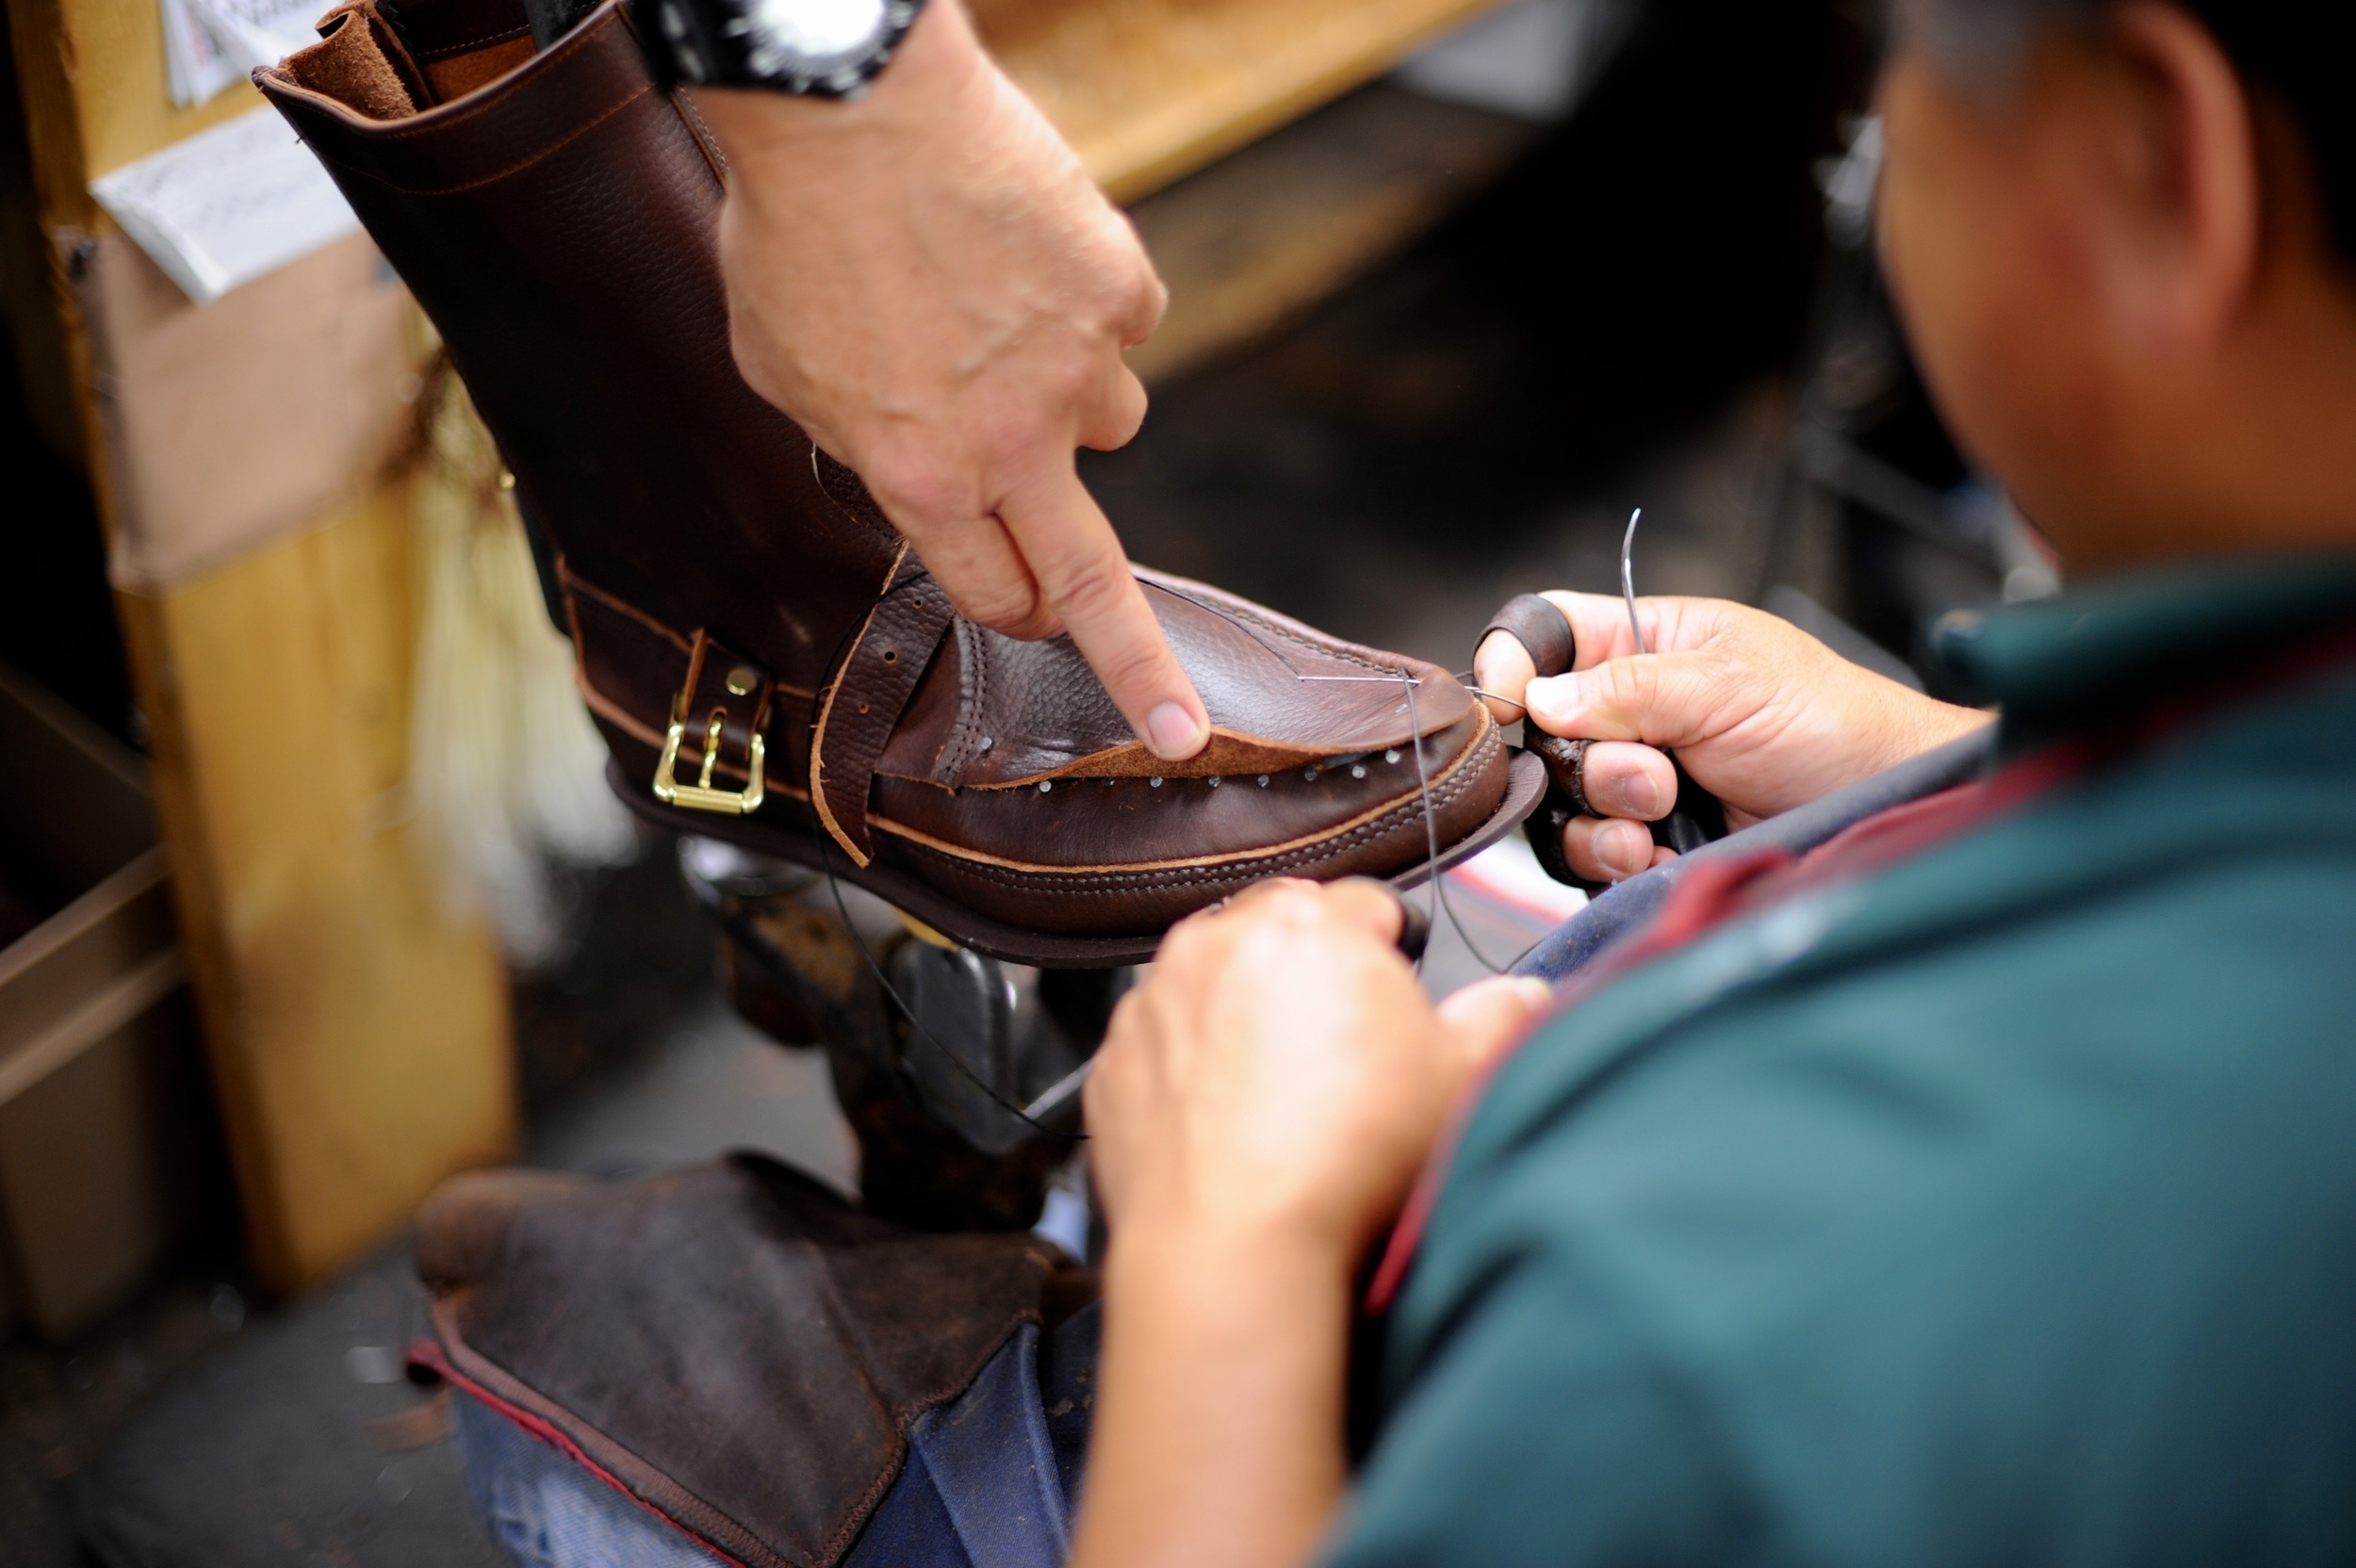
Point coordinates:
[[1715, 891], [427, 1353], [1708, 895]]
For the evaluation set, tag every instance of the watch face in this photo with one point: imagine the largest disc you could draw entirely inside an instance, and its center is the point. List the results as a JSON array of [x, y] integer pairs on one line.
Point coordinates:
[[812, 42], [831, 48]]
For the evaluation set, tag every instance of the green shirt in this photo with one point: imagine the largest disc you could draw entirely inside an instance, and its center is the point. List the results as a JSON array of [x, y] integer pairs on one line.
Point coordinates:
[[1997, 1208]]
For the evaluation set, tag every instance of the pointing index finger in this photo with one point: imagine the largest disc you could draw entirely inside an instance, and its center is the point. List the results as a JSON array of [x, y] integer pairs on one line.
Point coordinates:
[[1085, 578]]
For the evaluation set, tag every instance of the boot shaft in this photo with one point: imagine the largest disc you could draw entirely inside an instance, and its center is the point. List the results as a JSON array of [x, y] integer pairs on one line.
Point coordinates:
[[597, 350]]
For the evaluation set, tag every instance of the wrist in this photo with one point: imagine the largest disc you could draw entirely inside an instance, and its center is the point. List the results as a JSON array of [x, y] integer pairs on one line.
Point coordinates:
[[1218, 1435], [1934, 723], [1170, 1258], [932, 81]]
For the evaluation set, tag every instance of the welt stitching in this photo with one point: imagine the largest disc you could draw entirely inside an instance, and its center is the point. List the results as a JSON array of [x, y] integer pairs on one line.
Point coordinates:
[[1102, 883]]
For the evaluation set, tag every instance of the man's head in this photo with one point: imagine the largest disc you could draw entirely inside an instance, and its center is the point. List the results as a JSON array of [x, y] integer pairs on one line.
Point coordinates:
[[2123, 237]]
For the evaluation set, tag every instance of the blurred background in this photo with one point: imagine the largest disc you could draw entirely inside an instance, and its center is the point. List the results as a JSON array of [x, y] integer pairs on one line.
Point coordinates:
[[291, 927]]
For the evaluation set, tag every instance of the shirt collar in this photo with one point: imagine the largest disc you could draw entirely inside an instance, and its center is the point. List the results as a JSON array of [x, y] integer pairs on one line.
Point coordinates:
[[2099, 656]]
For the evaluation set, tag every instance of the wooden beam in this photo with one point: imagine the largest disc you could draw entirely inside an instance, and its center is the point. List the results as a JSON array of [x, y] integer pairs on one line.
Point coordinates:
[[1150, 89], [1268, 231], [357, 1026], [358, 1030]]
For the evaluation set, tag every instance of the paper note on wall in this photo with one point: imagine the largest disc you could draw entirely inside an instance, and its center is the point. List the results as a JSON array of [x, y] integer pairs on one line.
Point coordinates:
[[211, 43], [195, 63], [228, 204]]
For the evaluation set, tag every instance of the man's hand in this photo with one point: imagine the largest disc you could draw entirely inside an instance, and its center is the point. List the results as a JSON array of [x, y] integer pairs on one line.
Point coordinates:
[[1259, 1108], [927, 281], [1279, 1077], [1762, 715]]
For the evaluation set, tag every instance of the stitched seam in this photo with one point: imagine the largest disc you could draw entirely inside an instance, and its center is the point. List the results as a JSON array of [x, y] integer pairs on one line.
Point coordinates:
[[883, 531], [485, 1378], [401, 131], [1276, 757], [469, 48], [841, 1541], [713, 157], [564, 574], [1288, 634], [1127, 884], [971, 720], [818, 796], [1451, 785], [517, 168]]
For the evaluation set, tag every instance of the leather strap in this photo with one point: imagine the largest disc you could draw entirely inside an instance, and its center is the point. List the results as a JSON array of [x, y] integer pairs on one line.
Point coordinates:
[[1564, 759], [1539, 627], [1544, 829], [862, 704], [1543, 631], [724, 682], [632, 669]]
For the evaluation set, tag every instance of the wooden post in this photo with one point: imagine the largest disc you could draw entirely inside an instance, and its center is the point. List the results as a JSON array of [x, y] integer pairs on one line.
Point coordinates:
[[357, 1028]]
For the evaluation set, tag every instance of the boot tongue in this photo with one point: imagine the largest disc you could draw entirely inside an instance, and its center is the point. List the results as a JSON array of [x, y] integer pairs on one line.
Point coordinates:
[[387, 59], [361, 63]]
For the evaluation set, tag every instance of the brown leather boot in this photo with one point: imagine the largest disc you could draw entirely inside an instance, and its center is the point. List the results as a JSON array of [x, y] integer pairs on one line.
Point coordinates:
[[767, 660]]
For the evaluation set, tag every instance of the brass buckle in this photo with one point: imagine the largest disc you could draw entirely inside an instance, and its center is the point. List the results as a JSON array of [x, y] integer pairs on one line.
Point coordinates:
[[700, 795]]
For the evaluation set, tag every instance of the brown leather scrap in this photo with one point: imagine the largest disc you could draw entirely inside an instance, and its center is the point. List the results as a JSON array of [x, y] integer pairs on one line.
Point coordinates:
[[731, 1343]]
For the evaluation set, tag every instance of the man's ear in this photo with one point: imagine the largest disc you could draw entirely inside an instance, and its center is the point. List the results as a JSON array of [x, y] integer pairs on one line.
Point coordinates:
[[2185, 252]]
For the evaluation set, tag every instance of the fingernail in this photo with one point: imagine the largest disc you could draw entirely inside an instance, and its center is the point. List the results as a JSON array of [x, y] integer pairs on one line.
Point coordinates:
[[1551, 699], [1625, 848], [1640, 796], [1535, 994], [1174, 734]]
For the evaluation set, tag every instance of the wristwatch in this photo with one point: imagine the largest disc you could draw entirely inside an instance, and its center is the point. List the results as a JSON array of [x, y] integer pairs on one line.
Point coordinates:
[[812, 48]]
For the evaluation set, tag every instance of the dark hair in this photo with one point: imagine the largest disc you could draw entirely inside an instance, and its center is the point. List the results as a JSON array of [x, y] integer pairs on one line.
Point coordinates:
[[2297, 51]]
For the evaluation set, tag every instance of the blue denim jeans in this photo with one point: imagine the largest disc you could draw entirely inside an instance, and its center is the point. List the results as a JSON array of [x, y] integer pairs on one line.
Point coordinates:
[[989, 1483]]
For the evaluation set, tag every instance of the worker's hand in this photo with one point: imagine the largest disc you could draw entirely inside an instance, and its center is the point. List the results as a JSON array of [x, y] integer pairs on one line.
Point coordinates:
[[1279, 1078], [927, 281], [1762, 715]]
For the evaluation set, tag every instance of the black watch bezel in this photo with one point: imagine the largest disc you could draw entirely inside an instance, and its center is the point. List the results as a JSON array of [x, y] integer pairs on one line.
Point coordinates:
[[720, 44]]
